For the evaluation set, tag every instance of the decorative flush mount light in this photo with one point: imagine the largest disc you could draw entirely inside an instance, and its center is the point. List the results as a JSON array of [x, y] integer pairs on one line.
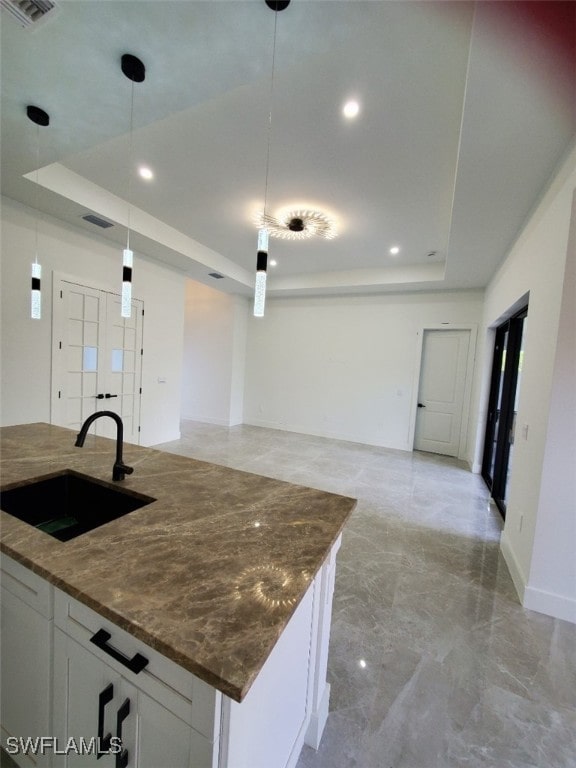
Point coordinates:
[[298, 224], [262, 256], [135, 71], [40, 118]]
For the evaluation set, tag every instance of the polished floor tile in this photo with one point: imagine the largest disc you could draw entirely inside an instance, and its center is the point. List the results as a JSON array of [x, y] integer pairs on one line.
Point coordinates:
[[433, 662]]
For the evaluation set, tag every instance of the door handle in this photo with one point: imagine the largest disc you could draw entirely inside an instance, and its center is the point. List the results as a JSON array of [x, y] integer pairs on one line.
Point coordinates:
[[421, 405], [100, 397], [123, 712], [105, 697], [108, 395], [136, 664]]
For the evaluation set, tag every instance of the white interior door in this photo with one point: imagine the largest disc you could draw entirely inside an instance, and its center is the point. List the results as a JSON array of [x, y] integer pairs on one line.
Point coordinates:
[[441, 391], [96, 359]]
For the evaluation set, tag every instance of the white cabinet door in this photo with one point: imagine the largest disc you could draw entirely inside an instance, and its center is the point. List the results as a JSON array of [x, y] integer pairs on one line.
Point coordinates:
[[84, 699], [161, 738], [25, 645], [91, 700]]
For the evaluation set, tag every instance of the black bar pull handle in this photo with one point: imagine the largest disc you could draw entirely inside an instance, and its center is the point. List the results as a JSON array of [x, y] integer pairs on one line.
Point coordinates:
[[108, 395], [105, 697], [123, 712], [135, 664], [100, 397], [421, 405]]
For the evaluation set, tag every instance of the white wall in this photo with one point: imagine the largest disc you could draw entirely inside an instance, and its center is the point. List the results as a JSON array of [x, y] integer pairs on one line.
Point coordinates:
[[536, 266], [345, 367], [26, 343], [214, 355], [555, 534]]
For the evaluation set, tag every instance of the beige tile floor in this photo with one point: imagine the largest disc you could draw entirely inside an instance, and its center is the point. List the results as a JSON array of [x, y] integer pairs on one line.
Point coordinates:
[[433, 662]]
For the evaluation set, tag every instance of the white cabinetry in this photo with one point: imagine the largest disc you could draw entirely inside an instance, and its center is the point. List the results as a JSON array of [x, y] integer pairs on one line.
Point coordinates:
[[57, 682], [26, 650], [162, 715]]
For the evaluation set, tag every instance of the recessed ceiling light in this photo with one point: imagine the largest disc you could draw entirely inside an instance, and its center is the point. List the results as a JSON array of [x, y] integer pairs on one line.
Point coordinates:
[[394, 250], [273, 262], [351, 109], [145, 172]]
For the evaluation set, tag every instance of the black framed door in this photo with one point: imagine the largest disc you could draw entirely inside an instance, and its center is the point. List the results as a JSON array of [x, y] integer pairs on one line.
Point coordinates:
[[503, 406]]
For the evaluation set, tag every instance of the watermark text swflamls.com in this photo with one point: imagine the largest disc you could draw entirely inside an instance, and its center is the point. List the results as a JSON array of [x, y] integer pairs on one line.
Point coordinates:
[[42, 745]]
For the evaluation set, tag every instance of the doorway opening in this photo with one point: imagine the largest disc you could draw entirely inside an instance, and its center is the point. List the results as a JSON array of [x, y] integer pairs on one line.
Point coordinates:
[[507, 364]]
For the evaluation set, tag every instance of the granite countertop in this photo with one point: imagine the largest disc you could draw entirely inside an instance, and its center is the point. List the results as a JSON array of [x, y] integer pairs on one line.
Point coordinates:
[[209, 574]]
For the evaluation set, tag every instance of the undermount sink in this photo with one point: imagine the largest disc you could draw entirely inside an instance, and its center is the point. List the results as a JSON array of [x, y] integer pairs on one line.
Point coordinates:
[[67, 504]]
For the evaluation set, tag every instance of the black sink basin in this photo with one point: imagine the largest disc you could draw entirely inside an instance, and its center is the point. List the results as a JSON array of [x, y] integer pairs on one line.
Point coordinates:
[[68, 504]]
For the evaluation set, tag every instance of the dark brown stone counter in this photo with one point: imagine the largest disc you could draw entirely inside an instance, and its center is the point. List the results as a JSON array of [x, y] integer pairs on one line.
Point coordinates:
[[209, 574]]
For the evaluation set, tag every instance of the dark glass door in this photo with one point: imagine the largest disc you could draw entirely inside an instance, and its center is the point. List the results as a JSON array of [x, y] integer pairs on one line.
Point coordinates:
[[503, 406]]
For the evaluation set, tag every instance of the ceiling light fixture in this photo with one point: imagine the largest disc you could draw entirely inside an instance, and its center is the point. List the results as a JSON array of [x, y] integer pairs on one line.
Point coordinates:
[[40, 118], [135, 71], [262, 255], [145, 172], [351, 109], [298, 224], [394, 250]]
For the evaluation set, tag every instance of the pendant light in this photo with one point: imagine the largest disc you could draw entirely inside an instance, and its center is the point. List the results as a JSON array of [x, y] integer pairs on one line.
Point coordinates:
[[262, 257], [135, 71], [40, 118]]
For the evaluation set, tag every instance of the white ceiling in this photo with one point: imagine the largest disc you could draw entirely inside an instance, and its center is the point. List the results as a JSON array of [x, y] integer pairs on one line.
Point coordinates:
[[466, 110]]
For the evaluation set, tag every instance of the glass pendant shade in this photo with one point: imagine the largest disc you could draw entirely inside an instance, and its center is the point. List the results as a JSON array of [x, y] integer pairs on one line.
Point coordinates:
[[261, 266], [126, 307], [36, 295], [260, 294]]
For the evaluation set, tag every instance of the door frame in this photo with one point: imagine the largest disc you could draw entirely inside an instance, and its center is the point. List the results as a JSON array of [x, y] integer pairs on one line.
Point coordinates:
[[466, 403], [499, 449], [57, 278]]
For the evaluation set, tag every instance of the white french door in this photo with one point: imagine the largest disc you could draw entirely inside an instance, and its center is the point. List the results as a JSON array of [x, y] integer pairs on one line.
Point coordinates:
[[96, 359]]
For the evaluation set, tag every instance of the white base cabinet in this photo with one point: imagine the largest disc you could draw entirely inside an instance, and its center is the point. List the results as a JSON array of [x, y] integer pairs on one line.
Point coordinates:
[[130, 727], [88, 699], [26, 667]]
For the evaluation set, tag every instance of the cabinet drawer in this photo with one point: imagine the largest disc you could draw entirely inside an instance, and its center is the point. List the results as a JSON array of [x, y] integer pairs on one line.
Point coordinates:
[[186, 696], [27, 586]]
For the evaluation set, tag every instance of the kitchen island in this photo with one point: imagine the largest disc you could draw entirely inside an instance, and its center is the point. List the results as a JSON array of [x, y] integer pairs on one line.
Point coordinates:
[[223, 583]]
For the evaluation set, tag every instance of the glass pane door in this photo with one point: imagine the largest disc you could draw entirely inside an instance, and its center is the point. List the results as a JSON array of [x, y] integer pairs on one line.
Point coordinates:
[[502, 407]]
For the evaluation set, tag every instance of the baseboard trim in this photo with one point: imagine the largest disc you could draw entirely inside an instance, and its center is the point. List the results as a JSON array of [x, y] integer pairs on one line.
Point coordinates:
[[318, 720], [513, 566], [557, 606], [364, 440], [209, 420]]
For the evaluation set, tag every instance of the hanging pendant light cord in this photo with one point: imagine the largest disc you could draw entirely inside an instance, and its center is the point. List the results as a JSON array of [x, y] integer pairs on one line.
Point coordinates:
[[270, 118], [130, 160], [37, 193]]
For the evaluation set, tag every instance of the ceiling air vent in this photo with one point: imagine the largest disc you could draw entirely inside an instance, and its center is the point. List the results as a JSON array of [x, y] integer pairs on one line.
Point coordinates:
[[90, 217], [216, 275], [28, 12]]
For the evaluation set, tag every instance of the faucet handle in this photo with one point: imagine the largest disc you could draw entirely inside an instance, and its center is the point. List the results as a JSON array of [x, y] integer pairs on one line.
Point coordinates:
[[120, 469]]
